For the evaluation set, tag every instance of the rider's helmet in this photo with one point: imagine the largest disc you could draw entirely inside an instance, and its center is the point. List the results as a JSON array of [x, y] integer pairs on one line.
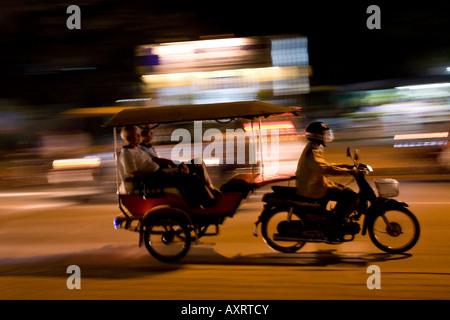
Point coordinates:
[[319, 132]]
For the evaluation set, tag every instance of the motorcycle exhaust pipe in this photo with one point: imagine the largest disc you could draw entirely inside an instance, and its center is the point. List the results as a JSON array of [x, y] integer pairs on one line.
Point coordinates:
[[284, 238], [310, 236]]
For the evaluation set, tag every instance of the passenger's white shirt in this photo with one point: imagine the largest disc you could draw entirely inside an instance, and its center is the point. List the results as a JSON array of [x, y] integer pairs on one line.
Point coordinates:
[[132, 159], [150, 150]]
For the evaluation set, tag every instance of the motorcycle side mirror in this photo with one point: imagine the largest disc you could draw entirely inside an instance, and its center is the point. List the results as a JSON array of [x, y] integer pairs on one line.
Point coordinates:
[[348, 152], [356, 155]]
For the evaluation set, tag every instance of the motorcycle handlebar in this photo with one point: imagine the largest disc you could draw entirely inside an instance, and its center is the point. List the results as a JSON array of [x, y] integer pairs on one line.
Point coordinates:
[[364, 168]]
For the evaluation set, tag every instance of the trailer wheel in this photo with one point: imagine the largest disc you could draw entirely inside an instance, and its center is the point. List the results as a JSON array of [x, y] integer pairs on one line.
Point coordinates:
[[167, 237]]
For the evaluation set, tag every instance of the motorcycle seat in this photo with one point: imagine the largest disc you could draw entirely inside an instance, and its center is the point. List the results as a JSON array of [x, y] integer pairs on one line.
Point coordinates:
[[291, 193], [288, 196]]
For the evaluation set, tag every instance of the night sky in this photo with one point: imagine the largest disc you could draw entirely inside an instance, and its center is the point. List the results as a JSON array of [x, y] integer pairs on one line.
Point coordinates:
[[413, 41]]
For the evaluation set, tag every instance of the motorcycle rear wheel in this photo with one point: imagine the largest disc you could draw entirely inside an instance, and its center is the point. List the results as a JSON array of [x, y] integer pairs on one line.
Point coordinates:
[[395, 231], [270, 227]]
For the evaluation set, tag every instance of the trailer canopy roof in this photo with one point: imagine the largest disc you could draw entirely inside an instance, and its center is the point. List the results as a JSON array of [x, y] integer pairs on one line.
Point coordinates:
[[182, 113]]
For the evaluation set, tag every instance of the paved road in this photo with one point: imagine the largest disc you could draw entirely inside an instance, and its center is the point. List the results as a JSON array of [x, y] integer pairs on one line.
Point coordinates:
[[41, 236]]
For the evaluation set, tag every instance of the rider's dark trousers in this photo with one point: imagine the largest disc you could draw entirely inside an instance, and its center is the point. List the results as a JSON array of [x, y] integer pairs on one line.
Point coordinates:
[[347, 199]]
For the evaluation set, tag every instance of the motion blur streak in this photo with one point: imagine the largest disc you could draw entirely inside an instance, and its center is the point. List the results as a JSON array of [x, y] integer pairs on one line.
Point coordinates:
[[76, 163], [421, 135]]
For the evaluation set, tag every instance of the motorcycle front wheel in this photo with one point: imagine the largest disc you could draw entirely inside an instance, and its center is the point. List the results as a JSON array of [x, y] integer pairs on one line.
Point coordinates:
[[395, 231], [270, 230]]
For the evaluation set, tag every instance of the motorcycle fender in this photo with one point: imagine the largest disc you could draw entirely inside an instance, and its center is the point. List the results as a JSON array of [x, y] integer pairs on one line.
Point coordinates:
[[378, 208]]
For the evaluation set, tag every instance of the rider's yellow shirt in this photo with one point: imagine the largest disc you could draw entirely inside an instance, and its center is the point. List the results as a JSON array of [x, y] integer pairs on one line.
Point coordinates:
[[312, 168]]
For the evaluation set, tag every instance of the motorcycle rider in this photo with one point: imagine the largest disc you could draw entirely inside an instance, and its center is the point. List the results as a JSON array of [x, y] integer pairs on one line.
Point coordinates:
[[312, 168]]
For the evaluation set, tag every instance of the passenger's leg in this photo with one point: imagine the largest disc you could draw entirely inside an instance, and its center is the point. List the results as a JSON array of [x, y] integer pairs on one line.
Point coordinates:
[[196, 192]]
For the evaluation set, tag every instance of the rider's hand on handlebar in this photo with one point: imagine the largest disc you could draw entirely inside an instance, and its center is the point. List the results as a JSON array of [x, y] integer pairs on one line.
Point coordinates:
[[348, 167], [352, 170]]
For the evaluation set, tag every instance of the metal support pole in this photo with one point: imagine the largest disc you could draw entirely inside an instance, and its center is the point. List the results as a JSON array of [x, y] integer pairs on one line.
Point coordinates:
[[116, 160], [261, 151], [251, 145]]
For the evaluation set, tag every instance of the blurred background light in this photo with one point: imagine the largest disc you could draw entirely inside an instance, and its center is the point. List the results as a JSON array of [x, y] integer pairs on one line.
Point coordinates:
[[425, 86], [421, 135], [76, 163]]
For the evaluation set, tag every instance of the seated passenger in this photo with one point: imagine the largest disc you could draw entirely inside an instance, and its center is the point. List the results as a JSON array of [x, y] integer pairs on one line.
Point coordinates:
[[134, 162], [147, 146], [146, 142]]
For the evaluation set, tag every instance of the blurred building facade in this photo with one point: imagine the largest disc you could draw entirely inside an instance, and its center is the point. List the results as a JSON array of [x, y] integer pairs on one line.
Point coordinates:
[[265, 68]]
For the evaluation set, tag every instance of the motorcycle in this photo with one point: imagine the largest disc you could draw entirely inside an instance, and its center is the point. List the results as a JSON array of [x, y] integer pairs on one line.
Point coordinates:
[[289, 221]]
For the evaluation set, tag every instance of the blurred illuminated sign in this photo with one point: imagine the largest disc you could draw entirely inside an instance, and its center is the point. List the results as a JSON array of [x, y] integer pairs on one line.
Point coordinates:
[[194, 56], [271, 126]]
